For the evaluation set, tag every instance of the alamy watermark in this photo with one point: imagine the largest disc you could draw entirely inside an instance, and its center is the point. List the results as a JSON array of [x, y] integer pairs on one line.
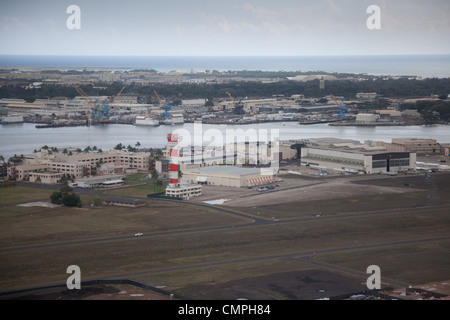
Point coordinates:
[[374, 281], [374, 20], [234, 147], [73, 22], [73, 281]]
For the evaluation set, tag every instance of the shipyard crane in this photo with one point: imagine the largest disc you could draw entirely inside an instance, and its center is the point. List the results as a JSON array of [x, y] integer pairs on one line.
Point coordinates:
[[86, 97], [164, 104], [342, 108], [237, 108], [120, 92], [160, 101], [99, 112]]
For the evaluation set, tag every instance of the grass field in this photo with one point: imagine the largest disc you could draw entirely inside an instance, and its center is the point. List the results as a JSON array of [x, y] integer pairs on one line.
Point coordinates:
[[189, 248], [15, 194]]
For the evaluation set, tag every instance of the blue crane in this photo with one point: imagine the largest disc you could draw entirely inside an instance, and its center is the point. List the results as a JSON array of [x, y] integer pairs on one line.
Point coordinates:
[[342, 108]]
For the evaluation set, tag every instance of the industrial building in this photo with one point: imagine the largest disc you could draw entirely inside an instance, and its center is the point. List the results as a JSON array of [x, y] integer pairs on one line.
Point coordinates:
[[418, 145], [229, 176], [367, 118], [354, 156]]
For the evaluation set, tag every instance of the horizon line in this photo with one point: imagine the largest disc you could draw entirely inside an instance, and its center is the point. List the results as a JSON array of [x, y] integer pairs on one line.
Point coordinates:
[[225, 56]]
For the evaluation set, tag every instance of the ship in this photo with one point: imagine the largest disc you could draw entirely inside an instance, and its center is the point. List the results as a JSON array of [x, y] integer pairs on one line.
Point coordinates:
[[174, 119], [146, 121]]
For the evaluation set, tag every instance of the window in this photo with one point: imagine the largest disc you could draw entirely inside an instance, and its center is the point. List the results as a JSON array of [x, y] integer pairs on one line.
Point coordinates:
[[379, 164], [399, 162]]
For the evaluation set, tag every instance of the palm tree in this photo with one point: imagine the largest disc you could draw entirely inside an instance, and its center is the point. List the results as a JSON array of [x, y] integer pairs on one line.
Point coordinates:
[[159, 154], [154, 175]]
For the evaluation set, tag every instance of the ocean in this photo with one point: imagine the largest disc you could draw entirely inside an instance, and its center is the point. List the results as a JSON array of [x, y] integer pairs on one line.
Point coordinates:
[[425, 66]]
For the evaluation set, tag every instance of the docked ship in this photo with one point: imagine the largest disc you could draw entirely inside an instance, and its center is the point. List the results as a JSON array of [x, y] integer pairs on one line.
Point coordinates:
[[146, 121], [174, 119]]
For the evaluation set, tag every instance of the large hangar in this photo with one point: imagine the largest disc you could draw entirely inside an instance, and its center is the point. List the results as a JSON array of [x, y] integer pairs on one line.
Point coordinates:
[[359, 157], [229, 176]]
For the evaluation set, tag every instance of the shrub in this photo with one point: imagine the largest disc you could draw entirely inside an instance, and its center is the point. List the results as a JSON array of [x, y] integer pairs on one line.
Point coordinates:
[[56, 197], [71, 200]]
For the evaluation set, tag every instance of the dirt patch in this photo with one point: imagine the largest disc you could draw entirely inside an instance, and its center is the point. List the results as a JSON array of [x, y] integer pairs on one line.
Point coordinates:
[[301, 285], [332, 188]]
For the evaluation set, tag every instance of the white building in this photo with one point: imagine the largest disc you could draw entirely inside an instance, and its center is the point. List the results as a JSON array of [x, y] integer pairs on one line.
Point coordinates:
[[229, 176], [367, 118], [184, 191]]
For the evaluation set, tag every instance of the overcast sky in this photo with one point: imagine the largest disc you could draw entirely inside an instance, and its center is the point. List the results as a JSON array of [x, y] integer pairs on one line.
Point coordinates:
[[224, 28]]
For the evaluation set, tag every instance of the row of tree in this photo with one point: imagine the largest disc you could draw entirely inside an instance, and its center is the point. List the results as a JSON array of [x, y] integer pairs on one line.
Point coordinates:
[[431, 111], [388, 88]]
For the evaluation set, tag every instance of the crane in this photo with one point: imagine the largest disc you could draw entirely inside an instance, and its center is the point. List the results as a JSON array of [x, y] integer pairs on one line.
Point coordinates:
[[160, 101], [84, 95], [342, 108], [164, 104], [99, 112], [237, 108], [120, 92]]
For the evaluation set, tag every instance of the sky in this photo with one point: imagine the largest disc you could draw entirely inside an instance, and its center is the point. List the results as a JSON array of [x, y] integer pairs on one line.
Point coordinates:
[[224, 28]]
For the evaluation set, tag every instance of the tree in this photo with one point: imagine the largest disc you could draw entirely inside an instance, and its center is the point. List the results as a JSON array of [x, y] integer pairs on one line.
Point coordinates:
[[72, 200], [298, 147], [159, 154], [209, 103], [16, 160], [154, 175], [56, 197]]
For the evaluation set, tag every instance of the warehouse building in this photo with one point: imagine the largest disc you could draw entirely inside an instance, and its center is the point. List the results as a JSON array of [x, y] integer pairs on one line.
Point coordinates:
[[358, 157], [229, 176], [418, 145]]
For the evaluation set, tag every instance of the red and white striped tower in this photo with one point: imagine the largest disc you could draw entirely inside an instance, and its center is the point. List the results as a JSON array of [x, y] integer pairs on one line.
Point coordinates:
[[172, 141]]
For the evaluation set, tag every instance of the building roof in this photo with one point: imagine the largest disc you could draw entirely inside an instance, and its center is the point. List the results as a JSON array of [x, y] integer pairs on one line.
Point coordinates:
[[228, 170], [124, 200], [25, 105]]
